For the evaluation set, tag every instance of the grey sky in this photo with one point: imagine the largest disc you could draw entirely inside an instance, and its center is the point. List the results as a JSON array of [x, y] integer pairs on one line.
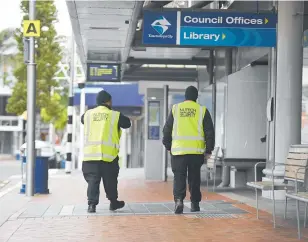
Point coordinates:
[[10, 16]]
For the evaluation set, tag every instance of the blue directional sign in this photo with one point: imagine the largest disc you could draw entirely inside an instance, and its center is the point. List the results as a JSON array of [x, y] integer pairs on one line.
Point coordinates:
[[186, 28]]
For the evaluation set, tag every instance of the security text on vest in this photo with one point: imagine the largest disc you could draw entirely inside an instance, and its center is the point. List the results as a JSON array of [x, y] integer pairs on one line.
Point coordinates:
[[187, 112], [100, 116]]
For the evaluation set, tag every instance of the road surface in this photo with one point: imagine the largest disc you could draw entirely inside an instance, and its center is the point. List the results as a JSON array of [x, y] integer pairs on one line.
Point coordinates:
[[8, 169]]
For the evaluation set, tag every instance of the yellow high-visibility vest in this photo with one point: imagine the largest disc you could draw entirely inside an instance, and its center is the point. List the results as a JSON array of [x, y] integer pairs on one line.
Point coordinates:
[[101, 134], [187, 132]]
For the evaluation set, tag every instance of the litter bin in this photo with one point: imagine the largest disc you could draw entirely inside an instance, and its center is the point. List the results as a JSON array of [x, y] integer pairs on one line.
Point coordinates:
[[40, 172]]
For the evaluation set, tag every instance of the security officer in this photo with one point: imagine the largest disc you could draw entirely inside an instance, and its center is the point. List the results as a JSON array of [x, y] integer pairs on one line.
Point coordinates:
[[102, 132], [189, 135]]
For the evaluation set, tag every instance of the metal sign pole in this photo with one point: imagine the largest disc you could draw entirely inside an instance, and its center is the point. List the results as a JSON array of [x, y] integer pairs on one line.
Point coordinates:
[[31, 108], [165, 116]]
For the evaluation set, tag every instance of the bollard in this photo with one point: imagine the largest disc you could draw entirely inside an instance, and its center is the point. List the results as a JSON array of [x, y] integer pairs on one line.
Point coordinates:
[[23, 174]]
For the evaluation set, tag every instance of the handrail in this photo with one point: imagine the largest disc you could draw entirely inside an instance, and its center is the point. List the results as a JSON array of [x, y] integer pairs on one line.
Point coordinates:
[[256, 165], [301, 168]]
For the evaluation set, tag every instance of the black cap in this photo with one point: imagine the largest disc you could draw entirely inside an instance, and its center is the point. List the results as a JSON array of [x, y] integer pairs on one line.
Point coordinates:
[[103, 97], [191, 93]]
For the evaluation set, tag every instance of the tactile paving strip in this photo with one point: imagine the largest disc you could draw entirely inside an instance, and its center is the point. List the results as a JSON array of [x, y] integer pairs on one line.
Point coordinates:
[[214, 216], [209, 209]]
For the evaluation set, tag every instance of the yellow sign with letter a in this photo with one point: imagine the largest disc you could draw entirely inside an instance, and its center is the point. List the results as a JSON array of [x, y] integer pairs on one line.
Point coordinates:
[[32, 28]]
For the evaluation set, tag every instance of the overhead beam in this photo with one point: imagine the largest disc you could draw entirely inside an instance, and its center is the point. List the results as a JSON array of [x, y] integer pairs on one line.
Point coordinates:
[[134, 78], [162, 79], [201, 4], [156, 4], [193, 61], [166, 71], [259, 63], [153, 5], [132, 68], [161, 74]]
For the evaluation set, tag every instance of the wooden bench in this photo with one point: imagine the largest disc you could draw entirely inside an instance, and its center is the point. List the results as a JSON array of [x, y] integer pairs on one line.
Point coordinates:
[[211, 164], [296, 160], [299, 175]]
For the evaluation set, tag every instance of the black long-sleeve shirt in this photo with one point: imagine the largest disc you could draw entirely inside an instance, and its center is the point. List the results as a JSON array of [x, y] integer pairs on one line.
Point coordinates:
[[208, 128], [124, 122]]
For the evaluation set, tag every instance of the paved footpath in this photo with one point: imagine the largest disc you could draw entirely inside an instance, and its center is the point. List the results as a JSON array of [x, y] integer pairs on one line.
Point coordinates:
[[147, 216]]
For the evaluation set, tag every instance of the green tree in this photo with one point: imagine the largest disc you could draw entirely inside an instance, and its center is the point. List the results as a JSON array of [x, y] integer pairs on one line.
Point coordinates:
[[7, 52], [47, 56], [5, 36]]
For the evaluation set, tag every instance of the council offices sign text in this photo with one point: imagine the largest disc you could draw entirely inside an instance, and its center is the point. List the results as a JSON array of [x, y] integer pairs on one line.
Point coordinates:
[[186, 28]]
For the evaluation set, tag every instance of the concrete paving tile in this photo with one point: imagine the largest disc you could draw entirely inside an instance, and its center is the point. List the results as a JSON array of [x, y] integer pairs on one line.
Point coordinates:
[[34, 210], [157, 208], [67, 210], [53, 210]]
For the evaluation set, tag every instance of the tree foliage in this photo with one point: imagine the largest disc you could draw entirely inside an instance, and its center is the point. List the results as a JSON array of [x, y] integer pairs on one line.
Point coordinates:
[[7, 53], [50, 104], [5, 35]]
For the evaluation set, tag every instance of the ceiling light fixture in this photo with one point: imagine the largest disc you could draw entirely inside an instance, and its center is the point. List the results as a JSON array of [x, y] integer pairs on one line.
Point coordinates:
[[105, 28]]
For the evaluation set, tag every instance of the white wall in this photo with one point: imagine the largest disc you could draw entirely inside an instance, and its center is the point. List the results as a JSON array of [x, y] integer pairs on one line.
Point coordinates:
[[241, 113]]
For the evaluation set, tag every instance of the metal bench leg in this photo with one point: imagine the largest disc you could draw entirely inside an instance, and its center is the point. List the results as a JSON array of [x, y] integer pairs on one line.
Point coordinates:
[[298, 221], [207, 182], [214, 181], [274, 209], [257, 203], [305, 221], [285, 207]]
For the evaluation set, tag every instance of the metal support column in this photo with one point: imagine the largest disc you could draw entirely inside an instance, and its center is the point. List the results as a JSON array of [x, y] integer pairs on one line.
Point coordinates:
[[51, 132], [165, 116], [68, 164], [81, 134], [289, 79], [31, 108], [270, 139], [74, 134], [226, 169], [211, 67], [124, 148], [213, 83]]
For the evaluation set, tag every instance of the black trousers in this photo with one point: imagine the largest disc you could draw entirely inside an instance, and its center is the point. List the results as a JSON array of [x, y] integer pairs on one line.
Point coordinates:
[[94, 171], [180, 165]]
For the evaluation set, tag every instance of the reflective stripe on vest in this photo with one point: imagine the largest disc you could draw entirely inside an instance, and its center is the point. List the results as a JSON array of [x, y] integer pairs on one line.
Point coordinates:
[[177, 139], [93, 150]]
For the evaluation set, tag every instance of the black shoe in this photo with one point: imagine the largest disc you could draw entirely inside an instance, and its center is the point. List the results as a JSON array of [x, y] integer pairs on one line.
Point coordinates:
[[92, 209], [116, 205], [195, 207], [179, 206]]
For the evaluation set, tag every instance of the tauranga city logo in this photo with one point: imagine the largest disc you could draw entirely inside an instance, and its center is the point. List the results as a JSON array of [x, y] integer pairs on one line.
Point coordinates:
[[161, 26]]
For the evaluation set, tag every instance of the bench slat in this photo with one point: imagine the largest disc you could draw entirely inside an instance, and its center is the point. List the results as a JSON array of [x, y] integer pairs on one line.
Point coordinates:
[[295, 168], [303, 149], [293, 162], [292, 175], [298, 156]]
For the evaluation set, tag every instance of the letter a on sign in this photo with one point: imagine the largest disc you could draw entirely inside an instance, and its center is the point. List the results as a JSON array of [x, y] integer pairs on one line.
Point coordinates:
[[32, 28]]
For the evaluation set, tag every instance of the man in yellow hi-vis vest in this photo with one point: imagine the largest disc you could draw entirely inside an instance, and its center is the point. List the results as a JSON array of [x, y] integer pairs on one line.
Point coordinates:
[[189, 135], [102, 132]]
